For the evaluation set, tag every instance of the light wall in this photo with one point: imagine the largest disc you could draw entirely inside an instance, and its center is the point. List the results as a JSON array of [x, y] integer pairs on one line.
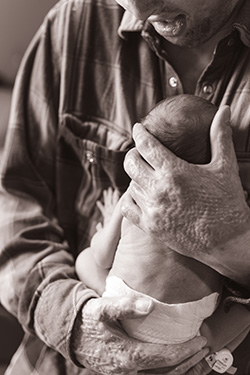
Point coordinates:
[[19, 20]]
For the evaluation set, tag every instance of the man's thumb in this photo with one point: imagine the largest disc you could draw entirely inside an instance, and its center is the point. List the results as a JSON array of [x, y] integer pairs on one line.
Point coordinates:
[[222, 148], [126, 308]]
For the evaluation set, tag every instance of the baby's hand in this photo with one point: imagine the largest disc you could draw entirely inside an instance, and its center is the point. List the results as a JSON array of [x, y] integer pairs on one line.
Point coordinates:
[[110, 199]]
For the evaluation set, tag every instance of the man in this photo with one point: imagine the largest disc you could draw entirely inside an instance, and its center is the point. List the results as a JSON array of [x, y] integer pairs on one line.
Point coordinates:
[[90, 73]]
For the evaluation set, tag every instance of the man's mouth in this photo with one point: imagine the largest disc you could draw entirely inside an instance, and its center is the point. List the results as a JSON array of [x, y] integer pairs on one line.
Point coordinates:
[[169, 27]]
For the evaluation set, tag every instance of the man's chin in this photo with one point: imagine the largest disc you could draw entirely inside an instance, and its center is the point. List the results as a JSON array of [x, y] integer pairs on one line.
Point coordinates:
[[184, 37], [185, 41]]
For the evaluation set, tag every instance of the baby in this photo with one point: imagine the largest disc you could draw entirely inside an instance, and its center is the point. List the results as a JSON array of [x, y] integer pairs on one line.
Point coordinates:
[[122, 259]]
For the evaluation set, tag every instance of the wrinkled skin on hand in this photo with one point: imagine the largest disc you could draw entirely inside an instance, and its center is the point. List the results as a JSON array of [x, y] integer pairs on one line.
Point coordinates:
[[201, 368], [100, 344], [193, 208]]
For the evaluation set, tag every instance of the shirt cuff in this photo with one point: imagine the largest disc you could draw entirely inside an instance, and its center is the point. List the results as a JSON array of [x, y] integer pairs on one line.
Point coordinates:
[[56, 314]]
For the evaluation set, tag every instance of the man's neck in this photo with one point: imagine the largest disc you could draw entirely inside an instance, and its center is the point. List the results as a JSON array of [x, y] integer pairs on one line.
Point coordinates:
[[189, 63]]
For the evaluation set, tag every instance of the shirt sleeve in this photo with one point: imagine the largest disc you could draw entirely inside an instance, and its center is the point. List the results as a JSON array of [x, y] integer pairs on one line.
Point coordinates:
[[38, 281], [236, 294]]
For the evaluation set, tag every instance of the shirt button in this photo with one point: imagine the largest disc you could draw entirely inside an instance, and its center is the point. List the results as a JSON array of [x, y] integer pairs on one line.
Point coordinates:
[[173, 82], [90, 157], [207, 89]]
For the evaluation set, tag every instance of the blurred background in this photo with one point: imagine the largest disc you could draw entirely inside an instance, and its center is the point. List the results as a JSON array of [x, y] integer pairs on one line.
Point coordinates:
[[19, 20]]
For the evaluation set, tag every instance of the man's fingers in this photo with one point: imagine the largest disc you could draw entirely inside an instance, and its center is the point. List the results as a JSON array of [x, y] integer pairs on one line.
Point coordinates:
[[111, 309], [125, 308], [201, 368], [151, 149], [188, 364], [101, 317], [154, 356], [222, 148], [137, 169], [129, 209], [138, 193]]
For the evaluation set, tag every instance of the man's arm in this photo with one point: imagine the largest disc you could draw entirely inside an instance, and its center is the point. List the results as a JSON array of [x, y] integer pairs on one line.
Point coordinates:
[[37, 267], [198, 210]]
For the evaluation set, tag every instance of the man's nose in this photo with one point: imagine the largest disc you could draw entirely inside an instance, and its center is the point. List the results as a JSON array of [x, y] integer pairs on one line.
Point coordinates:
[[142, 9]]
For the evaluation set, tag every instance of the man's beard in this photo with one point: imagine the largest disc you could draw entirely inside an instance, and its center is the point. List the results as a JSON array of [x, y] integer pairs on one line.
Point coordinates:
[[197, 35]]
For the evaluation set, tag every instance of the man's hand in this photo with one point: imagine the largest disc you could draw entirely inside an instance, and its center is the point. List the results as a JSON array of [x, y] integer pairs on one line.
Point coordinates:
[[201, 368], [99, 343], [193, 208]]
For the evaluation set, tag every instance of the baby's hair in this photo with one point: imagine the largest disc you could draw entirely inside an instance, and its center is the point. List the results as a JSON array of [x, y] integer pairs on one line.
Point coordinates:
[[182, 123]]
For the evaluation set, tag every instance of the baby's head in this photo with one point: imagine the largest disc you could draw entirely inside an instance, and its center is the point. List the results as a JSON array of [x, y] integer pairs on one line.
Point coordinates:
[[182, 123]]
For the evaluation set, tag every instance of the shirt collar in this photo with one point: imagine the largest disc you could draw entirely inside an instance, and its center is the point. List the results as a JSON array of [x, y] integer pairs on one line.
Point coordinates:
[[129, 23], [242, 23]]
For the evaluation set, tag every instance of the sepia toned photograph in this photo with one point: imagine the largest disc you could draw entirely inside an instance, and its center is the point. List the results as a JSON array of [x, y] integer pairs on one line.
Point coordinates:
[[125, 187]]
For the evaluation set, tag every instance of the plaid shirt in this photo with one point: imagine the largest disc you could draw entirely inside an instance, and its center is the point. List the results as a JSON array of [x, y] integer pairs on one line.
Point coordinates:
[[90, 72]]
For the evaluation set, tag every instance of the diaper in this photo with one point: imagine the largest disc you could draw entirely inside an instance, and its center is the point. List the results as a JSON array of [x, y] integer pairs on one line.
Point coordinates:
[[167, 323]]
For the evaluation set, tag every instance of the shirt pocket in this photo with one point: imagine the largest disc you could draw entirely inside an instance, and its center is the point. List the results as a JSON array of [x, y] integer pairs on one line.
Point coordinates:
[[93, 152]]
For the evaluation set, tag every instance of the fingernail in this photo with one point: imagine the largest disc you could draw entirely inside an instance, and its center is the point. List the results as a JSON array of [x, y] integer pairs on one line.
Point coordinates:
[[205, 351], [137, 128], [204, 341], [143, 305]]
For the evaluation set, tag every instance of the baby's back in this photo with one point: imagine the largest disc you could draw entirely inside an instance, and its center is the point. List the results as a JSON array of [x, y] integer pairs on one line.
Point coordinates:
[[152, 268]]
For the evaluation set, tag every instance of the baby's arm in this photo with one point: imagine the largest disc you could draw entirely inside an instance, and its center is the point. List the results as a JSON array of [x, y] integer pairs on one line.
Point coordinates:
[[88, 271], [93, 264], [105, 240]]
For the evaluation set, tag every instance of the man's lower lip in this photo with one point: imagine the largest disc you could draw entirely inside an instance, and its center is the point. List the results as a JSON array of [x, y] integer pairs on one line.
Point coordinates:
[[171, 28]]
